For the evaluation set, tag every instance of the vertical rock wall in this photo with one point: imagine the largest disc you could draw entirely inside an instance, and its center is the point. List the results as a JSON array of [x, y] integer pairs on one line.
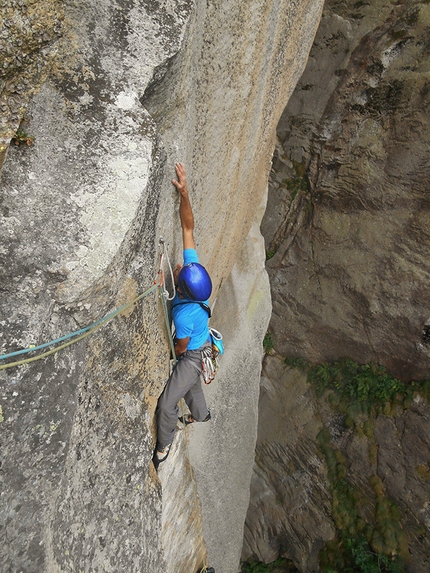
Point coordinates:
[[347, 231], [79, 220], [236, 68], [350, 228], [131, 88]]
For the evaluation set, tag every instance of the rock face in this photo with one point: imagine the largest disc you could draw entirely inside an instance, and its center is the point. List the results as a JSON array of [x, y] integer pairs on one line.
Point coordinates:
[[28, 43], [290, 502], [346, 228], [123, 91], [318, 480], [350, 228]]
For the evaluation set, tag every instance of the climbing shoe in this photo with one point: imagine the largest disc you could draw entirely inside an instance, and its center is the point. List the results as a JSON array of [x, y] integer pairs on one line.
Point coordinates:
[[160, 455], [188, 419]]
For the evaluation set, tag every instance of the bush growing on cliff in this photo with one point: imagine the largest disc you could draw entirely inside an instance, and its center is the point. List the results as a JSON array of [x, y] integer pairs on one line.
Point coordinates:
[[369, 535], [279, 566], [268, 343], [359, 387], [360, 559]]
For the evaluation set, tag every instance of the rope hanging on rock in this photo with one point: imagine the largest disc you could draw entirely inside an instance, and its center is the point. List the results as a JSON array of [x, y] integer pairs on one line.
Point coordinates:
[[84, 332], [88, 330], [74, 336]]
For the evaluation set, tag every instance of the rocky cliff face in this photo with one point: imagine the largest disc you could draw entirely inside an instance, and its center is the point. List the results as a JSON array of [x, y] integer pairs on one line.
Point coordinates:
[[110, 94], [347, 231], [350, 233]]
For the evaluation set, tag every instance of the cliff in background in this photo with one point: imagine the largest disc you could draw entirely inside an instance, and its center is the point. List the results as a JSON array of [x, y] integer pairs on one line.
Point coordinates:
[[349, 236], [109, 95], [342, 456]]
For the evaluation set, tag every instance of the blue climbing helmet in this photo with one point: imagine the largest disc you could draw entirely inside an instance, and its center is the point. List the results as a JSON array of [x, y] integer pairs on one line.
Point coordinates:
[[194, 282]]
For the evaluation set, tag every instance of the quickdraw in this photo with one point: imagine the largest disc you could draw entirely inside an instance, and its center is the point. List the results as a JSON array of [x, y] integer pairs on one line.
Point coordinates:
[[210, 364]]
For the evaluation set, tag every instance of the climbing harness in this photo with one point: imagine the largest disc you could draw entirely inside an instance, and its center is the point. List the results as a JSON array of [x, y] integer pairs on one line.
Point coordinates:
[[90, 329], [209, 354]]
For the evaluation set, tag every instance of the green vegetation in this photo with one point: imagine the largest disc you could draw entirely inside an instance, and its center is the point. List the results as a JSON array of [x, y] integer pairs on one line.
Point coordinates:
[[268, 343], [298, 182], [362, 559], [22, 137], [360, 545], [270, 254], [359, 388], [369, 537], [278, 566]]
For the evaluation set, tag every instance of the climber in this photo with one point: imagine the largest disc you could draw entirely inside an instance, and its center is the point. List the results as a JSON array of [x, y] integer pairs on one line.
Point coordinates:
[[193, 285]]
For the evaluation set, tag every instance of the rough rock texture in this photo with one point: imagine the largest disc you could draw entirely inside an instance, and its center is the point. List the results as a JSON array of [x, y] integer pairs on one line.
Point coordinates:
[[347, 230], [134, 87], [29, 33], [384, 458], [78, 240], [290, 504], [349, 215], [223, 453]]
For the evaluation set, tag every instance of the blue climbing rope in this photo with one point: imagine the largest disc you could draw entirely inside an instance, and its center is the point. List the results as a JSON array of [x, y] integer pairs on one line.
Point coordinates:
[[75, 336]]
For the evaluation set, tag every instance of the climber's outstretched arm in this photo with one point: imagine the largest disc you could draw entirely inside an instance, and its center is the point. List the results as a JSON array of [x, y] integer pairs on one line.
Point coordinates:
[[185, 211]]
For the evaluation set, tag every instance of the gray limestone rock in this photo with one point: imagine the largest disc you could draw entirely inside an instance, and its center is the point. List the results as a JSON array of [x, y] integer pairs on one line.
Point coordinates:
[[346, 228], [125, 89], [348, 210]]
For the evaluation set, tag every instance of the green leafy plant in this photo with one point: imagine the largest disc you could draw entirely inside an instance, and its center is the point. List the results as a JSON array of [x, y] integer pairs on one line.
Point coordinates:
[[268, 343], [280, 564], [355, 555], [369, 536], [359, 388], [20, 136]]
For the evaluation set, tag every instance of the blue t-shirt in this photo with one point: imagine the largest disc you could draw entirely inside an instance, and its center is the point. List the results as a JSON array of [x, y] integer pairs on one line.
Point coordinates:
[[190, 319]]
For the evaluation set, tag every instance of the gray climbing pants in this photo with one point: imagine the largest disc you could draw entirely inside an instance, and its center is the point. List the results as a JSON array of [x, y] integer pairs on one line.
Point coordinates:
[[184, 382]]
